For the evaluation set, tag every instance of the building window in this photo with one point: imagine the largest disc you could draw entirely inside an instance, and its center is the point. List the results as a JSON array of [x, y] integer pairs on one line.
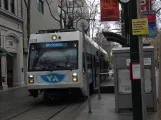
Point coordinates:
[[5, 4], [40, 5], [12, 4]]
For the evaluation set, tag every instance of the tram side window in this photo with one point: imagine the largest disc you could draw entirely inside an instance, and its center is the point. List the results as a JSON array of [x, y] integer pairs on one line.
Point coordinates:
[[89, 61]]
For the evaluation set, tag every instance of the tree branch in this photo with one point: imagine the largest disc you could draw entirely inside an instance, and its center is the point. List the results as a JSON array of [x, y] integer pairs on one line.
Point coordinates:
[[158, 10], [25, 3], [51, 11]]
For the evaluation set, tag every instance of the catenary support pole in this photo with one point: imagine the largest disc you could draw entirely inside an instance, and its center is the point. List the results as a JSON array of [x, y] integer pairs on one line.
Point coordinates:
[[134, 56], [86, 71], [141, 55], [159, 80]]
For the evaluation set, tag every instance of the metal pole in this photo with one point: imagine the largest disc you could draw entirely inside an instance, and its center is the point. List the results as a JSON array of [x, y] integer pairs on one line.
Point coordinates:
[[86, 71], [134, 56], [99, 84], [143, 93], [159, 81], [141, 55]]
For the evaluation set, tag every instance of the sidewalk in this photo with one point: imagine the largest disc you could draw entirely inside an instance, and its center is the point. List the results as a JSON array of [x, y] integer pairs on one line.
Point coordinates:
[[104, 109], [12, 88], [10, 99]]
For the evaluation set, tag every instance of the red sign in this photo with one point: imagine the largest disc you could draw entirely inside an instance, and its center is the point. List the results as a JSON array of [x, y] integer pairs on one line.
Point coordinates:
[[135, 71], [109, 10], [151, 15], [146, 5]]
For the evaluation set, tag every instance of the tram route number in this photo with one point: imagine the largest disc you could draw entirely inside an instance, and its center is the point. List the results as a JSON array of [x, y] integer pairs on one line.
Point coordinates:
[[33, 40]]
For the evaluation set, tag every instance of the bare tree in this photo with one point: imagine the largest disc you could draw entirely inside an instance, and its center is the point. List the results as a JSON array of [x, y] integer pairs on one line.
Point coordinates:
[[93, 6], [106, 45], [70, 11], [157, 8]]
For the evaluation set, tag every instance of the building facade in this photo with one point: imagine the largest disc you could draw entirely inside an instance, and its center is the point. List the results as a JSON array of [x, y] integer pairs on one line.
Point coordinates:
[[13, 34], [11, 39]]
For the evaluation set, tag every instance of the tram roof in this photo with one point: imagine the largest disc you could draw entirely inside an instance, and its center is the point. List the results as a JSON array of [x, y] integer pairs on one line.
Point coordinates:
[[95, 44]]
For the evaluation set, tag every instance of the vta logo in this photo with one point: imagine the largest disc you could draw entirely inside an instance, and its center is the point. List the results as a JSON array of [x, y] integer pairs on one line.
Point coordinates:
[[53, 78]]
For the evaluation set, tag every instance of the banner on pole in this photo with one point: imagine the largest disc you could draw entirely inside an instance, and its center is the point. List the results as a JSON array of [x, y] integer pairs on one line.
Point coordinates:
[[109, 10], [151, 16], [146, 5]]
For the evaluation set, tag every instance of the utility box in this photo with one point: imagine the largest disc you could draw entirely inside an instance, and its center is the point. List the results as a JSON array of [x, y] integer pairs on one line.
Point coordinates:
[[122, 82]]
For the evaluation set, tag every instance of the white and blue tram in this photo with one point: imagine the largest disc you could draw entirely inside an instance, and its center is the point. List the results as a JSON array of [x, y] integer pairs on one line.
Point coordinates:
[[56, 63]]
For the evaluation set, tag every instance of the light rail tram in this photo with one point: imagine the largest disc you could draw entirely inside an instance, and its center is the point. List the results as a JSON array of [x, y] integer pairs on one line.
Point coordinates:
[[56, 63]]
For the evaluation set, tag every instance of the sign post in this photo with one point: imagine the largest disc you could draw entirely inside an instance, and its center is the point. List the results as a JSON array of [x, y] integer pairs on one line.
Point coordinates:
[[83, 25], [139, 27], [159, 81]]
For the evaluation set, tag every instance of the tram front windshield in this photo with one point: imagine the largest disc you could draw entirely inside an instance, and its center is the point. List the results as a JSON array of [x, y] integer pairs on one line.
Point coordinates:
[[53, 56]]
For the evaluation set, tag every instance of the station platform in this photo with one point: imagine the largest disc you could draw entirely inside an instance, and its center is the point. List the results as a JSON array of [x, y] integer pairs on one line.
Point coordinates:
[[104, 109], [107, 86]]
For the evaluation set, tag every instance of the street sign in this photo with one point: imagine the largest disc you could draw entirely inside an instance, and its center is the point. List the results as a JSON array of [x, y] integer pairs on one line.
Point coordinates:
[[82, 22], [140, 26], [151, 16], [135, 71], [146, 5]]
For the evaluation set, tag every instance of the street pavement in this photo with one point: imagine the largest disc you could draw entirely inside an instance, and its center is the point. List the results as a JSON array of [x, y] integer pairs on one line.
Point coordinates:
[[12, 103], [17, 104], [104, 109], [14, 98]]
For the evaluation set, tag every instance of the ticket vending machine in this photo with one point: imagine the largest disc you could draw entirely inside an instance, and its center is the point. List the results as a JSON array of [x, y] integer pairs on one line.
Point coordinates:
[[122, 82]]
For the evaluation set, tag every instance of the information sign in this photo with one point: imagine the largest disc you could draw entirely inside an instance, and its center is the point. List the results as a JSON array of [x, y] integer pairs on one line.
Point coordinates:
[[140, 26], [151, 16]]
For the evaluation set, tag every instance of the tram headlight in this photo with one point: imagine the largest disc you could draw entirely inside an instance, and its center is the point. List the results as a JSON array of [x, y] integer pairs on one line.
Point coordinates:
[[75, 74], [75, 79], [54, 37], [31, 76], [31, 79]]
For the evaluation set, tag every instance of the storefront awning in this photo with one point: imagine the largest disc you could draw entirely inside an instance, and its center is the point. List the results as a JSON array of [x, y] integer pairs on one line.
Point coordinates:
[[4, 52]]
